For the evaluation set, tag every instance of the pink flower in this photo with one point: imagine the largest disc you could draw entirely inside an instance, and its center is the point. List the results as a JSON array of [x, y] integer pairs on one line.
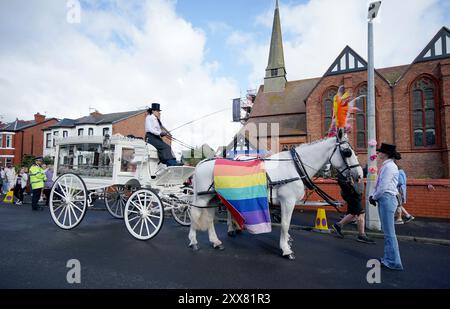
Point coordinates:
[[373, 170], [373, 157], [372, 143]]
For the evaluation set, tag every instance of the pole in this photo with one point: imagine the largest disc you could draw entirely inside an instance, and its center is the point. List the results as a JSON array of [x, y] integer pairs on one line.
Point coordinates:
[[372, 217]]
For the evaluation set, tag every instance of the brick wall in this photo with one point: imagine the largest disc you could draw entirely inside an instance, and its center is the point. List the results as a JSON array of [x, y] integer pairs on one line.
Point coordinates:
[[17, 144], [393, 108], [352, 82], [425, 198], [431, 161], [31, 140], [133, 125]]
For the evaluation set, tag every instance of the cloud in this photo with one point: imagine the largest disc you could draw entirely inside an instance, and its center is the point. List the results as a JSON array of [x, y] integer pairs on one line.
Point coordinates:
[[237, 38], [115, 60], [218, 27], [315, 32]]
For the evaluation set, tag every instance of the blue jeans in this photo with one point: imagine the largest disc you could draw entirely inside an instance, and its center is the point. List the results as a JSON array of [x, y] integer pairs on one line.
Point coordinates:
[[387, 204], [171, 162], [5, 187]]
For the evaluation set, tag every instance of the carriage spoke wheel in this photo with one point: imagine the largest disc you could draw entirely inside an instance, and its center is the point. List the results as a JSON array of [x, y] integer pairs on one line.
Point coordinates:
[[68, 201], [182, 210], [116, 199], [144, 214]]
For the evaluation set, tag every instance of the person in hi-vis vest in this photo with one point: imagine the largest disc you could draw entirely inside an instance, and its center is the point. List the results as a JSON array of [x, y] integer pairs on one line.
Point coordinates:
[[37, 179]]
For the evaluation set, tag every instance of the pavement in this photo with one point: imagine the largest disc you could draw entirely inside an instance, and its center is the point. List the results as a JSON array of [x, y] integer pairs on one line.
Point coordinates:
[[35, 253], [420, 229]]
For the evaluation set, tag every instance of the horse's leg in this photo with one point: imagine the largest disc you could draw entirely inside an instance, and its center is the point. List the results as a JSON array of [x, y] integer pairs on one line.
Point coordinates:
[[217, 244], [230, 225], [195, 217], [287, 207]]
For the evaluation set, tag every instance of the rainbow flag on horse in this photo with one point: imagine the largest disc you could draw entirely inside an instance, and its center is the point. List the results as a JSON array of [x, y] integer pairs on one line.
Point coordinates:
[[242, 187]]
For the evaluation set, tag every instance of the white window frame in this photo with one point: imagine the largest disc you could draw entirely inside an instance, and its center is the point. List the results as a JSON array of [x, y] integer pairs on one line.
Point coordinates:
[[90, 130], [48, 140], [80, 130], [5, 158], [9, 140], [55, 135]]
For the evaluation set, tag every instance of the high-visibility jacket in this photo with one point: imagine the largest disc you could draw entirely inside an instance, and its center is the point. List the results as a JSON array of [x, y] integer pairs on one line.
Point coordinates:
[[37, 177]]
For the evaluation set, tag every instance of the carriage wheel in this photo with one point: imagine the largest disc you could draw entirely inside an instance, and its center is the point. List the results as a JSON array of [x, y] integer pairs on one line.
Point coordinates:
[[116, 199], [144, 214], [182, 212], [68, 201]]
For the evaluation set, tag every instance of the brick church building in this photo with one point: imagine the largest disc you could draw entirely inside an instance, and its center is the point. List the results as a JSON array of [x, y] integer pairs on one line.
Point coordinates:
[[412, 105]]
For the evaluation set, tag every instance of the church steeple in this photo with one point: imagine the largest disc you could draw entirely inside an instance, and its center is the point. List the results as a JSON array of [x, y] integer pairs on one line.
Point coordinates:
[[275, 80]]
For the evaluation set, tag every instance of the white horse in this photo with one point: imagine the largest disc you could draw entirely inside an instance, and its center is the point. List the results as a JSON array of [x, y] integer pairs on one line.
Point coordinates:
[[281, 166]]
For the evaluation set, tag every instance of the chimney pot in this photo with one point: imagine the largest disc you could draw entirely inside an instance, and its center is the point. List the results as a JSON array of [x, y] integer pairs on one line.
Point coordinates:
[[39, 118]]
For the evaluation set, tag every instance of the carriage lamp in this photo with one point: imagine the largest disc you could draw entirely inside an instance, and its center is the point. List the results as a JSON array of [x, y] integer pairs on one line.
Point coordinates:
[[106, 142]]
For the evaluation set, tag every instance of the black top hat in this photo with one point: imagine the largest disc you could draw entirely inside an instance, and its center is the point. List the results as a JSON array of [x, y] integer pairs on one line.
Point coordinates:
[[390, 150], [155, 107], [39, 158]]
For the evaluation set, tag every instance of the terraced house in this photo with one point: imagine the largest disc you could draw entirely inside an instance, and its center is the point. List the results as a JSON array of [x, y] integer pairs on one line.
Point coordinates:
[[22, 137], [95, 124]]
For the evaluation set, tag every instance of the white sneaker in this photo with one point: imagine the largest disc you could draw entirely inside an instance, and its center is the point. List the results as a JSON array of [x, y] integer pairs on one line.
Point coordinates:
[[409, 219]]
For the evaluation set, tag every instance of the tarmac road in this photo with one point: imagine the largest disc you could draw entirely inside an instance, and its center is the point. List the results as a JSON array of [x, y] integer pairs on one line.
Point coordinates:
[[34, 253]]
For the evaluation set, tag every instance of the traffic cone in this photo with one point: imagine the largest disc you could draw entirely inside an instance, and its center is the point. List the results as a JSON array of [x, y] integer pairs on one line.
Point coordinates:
[[9, 197], [321, 222]]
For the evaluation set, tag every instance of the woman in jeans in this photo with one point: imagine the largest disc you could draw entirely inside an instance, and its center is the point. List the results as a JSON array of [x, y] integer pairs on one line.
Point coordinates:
[[385, 195]]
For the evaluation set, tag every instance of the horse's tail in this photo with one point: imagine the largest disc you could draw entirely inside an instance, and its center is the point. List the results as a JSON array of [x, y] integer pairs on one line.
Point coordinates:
[[202, 218]]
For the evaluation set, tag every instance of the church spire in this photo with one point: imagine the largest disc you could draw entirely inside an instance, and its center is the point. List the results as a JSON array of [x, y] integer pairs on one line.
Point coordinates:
[[275, 80]]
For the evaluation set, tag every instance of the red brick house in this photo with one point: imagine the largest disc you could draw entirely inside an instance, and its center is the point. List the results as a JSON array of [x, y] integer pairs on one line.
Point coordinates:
[[22, 137], [412, 104]]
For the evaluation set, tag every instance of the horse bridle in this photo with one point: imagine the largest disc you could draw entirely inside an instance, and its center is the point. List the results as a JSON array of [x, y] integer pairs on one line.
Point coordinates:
[[344, 154]]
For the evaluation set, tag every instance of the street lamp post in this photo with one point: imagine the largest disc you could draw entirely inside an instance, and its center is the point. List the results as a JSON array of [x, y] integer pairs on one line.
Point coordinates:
[[372, 217]]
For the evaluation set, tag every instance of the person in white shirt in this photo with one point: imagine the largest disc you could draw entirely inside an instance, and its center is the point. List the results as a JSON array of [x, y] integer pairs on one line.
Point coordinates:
[[10, 175], [154, 134], [21, 184], [385, 196]]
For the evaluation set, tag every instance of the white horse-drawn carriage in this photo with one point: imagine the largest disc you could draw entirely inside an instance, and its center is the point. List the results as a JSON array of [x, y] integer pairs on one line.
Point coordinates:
[[126, 174]]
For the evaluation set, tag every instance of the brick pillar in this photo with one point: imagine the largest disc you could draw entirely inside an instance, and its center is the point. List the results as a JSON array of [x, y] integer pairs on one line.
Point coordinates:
[[445, 114]]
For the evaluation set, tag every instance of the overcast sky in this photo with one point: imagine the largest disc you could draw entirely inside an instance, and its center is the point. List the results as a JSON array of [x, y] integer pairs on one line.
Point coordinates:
[[192, 56]]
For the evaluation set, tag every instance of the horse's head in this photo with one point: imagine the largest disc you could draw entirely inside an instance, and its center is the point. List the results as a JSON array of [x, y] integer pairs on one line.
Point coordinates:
[[344, 159]]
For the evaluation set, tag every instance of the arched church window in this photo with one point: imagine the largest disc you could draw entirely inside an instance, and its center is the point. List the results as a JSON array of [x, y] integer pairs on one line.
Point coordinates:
[[423, 113], [328, 108], [361, 119]]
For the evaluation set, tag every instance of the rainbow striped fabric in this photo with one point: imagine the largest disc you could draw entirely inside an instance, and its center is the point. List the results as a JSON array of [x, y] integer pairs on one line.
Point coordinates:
[[242, 187]]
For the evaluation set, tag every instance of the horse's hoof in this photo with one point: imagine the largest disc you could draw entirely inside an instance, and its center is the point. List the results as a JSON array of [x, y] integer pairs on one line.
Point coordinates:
[[231, 233], [290, 256], [238, 231], [219, 247], [194, 247]]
